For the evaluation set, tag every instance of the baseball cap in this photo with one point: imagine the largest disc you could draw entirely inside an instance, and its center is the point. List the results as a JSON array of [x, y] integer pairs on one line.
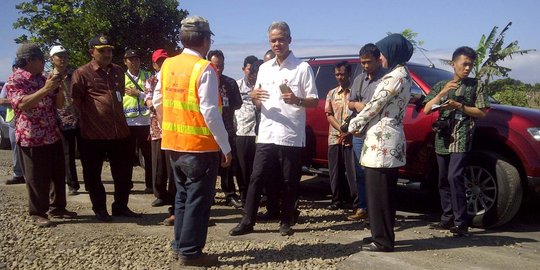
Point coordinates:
[[28, 50], [131, 53], [159, 53], [195, 24], [57, 49], [100, 41]]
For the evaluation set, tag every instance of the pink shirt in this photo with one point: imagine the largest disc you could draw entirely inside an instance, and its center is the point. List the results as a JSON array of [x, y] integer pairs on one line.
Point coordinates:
[[37, 126]]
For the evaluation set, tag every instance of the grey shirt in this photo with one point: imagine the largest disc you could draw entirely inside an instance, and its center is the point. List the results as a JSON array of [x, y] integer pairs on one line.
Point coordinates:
[[362, 88]]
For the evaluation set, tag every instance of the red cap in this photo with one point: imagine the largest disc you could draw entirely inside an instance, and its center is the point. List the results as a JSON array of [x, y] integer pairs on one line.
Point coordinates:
[[159, 53]]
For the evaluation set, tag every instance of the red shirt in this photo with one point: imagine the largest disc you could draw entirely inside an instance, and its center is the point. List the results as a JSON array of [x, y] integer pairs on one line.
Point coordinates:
[[37, 126]]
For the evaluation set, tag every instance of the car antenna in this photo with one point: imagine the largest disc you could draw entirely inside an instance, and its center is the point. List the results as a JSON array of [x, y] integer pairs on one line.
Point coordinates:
[[431, 65]]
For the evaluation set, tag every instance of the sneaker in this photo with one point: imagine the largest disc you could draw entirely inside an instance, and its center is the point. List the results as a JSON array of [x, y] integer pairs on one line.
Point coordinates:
[[205, 260], [62, 213], [358, 214], [41, 221], [15, 180], [285, 229]]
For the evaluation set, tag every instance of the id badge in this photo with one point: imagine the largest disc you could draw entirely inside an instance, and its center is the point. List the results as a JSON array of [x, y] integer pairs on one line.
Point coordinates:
[[225, 101], [458, 116], [119, 96]]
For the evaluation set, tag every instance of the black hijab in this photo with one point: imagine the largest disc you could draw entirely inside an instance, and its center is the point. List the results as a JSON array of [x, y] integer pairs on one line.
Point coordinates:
[[396, 48]]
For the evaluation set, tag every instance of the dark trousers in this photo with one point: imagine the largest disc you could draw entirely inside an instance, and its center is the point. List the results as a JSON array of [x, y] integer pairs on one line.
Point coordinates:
[[270, 158], [226, 175], [358, 143], [69, 140], [139, 139], [245, 153], [195, 177], [43, 169], [381, 201], [161, 172], [452, 188], [342, 174], [93, 153]]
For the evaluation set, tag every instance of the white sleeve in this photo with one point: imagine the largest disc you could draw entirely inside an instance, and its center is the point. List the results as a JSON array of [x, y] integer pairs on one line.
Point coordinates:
[[157, 100], [208, 105]]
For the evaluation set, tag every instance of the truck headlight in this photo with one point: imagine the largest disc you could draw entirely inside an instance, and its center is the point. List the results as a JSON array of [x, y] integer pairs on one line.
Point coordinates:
[[535, 132]]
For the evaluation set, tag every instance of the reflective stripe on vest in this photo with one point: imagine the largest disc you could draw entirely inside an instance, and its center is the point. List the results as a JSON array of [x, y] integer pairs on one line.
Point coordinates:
[[183, 126], [133, 106], [10, 113]]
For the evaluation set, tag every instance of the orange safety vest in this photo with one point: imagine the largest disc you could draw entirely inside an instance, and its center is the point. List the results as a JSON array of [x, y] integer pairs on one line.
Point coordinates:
[[183, 126]]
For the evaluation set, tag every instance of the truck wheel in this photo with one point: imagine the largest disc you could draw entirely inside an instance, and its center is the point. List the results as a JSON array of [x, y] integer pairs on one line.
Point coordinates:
[[493, 189]]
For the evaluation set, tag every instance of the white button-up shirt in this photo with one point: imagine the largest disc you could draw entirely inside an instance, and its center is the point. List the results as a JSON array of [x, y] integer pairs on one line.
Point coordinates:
[[281, 123], [245, 117]]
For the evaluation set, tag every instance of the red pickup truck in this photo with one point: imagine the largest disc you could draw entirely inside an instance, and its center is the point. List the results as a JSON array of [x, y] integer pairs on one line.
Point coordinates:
[[505, 165]]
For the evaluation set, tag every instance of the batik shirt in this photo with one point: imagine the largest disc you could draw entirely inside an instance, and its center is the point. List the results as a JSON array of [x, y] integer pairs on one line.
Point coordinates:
[[458, 138], [336, 105]]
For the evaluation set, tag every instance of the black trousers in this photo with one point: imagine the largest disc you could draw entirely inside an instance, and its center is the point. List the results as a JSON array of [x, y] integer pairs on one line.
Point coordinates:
[[139, 139], [269, 158], [162, 178], [381, 201], [342, 174], [69, 141], [93, 153], [452, 188], [226, 175], [245, 153], [44, 172]]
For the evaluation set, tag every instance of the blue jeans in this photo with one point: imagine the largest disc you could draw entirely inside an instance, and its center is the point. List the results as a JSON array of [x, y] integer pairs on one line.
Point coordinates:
[[17, 164], [358, 142], [195, 177]]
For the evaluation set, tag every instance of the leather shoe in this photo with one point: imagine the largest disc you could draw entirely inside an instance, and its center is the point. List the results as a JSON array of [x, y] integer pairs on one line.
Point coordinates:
[[125, 213], [367, 240], [103, 216], [459, 231], [62, 213], [285, 229], [372, 247], [334, 207], [241, 229], [234, 202], [73, 192], [15, 180], [159, 202], [358, 214], [205, 260], [41, 221], [441, 225]]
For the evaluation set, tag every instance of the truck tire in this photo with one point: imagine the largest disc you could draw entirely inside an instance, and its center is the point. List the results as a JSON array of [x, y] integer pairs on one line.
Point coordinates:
[[493, 189]]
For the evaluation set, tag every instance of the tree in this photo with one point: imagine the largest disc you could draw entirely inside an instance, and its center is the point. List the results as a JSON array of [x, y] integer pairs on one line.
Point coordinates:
[[410, 35], [144, 25], [514, 92], [491, 51]]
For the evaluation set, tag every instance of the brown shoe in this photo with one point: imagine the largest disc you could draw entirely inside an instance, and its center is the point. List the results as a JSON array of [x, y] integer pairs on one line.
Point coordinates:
[[205, 260], [41, 221], [358, 214], [62, 213], [168, 221]]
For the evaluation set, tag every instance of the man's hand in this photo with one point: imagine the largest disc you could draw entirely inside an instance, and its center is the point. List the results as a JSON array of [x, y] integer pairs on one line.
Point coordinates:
[[53, 82], [226, 160], [259, 94], [132, 92], [289, 98], [451, 105], [449, 86]]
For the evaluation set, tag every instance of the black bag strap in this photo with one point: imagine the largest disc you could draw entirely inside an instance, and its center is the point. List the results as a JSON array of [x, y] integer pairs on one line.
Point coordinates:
[[134, 82]]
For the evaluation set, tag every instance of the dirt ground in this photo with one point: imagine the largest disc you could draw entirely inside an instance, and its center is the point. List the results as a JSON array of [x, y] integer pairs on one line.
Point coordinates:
[[322, 239]]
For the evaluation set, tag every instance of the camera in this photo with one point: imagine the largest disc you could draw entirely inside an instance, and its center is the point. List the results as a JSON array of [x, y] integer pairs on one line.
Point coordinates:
[[442, 125], [346, 121]]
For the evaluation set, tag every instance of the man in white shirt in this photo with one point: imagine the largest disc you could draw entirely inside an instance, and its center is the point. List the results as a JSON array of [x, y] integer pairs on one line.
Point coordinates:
[[285, 86]]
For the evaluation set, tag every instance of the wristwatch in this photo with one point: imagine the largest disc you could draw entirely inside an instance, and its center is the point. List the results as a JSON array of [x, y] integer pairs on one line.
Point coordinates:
[[300, 102]]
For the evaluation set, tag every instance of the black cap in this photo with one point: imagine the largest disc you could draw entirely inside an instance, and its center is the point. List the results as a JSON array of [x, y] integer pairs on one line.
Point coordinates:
[[131, 53], [100, 41], [29, 50]]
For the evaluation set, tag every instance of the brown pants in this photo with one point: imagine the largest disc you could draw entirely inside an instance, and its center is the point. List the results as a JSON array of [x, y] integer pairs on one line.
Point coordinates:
[[44, 171]]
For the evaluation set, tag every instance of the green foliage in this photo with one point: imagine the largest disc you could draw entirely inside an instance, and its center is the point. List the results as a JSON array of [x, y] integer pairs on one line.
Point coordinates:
[[144, 25], [410, 35], [514, 92]]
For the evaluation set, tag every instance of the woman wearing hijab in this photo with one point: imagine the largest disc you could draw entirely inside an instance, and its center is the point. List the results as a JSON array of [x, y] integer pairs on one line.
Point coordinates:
[[384, 148]]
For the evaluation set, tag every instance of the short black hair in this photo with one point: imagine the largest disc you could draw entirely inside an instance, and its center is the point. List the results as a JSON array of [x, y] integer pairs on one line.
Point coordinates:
[[255, 67], [216, 53], [249, 60], [464, 50], [370, 49], [344, 64]]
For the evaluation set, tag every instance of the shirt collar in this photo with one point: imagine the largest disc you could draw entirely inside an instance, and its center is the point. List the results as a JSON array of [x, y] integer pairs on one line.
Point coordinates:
[[134, 76], [341, 89], [192, 52], [95, 65], [290, 60], [24, 73], [380, 73]]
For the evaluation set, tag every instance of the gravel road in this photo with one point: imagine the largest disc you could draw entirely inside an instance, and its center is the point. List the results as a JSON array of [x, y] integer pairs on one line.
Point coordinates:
[[322, 239]]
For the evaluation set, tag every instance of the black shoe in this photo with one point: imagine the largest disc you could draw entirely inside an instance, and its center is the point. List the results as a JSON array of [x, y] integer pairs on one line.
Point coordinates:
[[285, 229], [103, 216], [72, 192], [125, 213], [233, 201], [459, 231], [267, 216], [441, 225], [15, 180], [334, 207], [367, 240], [205, 260], [159, 202], [241, 229], [376, 248]]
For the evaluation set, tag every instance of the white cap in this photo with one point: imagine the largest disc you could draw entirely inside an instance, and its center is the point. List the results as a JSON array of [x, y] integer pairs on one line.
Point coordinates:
[[57, 49]]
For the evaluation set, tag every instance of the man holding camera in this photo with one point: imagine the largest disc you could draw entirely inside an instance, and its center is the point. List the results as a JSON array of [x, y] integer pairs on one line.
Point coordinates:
[[460, 101]]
